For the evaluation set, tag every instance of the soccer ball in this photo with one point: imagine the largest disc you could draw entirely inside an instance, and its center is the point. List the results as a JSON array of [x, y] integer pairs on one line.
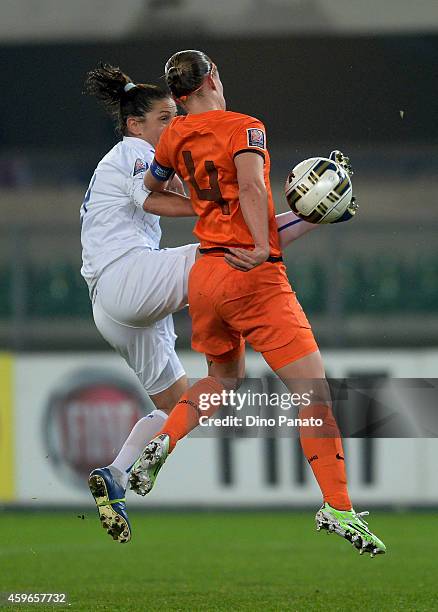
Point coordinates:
[[319, 190]]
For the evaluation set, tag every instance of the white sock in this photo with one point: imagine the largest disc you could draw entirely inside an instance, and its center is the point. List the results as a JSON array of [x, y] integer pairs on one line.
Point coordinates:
[[142, 433]]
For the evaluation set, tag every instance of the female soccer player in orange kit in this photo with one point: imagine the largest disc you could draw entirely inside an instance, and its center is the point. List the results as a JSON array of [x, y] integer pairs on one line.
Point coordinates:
[[238, 288]]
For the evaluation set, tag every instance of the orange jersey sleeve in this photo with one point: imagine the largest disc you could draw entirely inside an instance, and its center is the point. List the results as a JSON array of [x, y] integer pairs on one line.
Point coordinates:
[[251, 136], [201, 148], [161, 166]]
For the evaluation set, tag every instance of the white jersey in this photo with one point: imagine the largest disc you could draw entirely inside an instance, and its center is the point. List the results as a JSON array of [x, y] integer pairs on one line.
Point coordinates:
[[112, 224]]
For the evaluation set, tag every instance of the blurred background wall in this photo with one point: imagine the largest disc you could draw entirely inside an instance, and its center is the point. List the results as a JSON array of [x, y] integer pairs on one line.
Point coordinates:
[[321, 74]]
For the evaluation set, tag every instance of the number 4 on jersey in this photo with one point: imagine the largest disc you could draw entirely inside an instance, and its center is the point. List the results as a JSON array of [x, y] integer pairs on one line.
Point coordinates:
[[213, 194]]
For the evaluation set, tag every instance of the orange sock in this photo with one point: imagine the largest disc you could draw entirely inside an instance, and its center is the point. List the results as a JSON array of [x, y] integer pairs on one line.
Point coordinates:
[[322, 447], [185, 416]]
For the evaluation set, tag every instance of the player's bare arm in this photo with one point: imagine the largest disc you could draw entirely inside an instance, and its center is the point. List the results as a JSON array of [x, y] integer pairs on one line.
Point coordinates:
[[253, 200], [176, 185], [169, 204], [158, 197], [290, 227]]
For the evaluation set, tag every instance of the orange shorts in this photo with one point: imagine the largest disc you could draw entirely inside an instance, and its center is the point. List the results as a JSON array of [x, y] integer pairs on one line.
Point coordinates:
[[228, 307]]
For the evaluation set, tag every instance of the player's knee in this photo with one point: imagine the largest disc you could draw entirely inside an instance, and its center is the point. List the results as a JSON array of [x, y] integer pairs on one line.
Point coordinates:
[[228, 367], [231, 384], [169, 386], [321, 412]]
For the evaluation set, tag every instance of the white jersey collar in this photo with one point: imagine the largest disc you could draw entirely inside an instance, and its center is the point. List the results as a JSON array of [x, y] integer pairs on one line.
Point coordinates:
[[140, 141]]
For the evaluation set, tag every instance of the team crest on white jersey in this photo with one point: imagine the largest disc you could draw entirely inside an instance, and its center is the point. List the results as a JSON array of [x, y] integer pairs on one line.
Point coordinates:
[[140, 166], [256, 138]]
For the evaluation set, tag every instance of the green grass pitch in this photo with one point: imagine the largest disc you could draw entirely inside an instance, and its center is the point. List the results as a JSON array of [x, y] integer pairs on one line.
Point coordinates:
[[218, 561]]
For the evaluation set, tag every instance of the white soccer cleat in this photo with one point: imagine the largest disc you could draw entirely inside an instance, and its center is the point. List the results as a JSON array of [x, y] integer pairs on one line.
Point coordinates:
[[145, 470]]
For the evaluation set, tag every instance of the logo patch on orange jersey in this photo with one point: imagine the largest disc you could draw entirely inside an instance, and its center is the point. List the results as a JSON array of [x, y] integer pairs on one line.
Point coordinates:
[[256, 138]]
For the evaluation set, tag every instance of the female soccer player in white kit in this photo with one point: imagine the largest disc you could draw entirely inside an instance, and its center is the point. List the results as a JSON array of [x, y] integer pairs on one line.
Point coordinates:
[[134, 285]]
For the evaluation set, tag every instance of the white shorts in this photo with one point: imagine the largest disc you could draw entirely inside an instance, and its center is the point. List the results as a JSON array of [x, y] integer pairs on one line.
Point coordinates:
[[133, 302]]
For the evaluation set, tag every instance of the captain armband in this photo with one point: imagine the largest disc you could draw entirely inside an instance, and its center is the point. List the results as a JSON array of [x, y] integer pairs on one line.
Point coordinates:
[[159, 172]]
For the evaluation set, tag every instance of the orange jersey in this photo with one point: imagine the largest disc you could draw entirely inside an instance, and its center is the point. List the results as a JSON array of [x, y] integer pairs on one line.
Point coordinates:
[[201, 149]]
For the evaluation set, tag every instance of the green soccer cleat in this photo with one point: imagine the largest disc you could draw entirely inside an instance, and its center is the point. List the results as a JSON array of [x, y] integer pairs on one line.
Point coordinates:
[[145, 470], [351, 526]]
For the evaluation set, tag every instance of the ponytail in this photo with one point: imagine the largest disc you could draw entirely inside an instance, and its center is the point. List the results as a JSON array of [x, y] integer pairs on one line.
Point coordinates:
[[119, 95]]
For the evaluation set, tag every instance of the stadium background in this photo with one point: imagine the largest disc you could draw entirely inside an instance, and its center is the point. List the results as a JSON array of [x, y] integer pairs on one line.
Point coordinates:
[[321, 75]]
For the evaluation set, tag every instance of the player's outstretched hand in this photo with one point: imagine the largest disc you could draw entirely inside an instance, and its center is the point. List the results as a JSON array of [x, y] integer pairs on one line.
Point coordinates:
[[244, 260]]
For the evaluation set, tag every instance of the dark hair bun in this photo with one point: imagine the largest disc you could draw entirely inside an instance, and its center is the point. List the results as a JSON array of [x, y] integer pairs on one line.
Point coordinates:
[[185, 71], [173, 76]]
